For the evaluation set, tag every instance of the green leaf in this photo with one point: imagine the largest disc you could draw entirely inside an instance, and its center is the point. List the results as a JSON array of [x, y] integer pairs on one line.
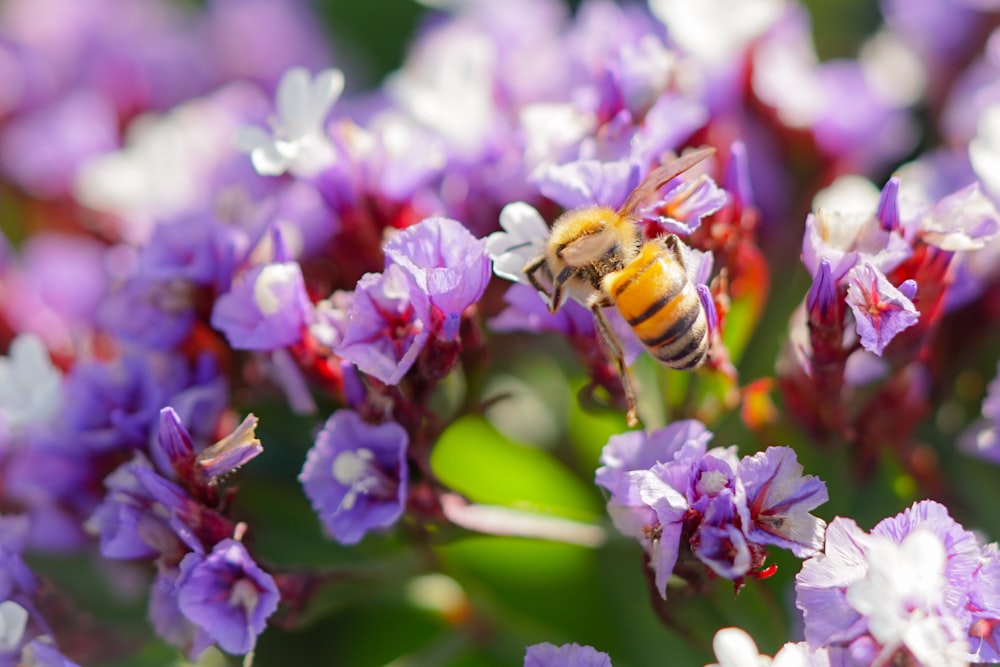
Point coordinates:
[[475, 459]]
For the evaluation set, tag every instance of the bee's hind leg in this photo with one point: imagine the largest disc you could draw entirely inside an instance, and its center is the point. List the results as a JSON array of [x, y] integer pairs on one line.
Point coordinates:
[[631, 417]]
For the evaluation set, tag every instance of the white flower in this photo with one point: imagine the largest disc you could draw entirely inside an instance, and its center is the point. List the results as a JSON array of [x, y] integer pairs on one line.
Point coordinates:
[[522, 240], [551, 130], [733, 647], [447, 85], [984, 150], [902, 595], [13, 621], [297, 142], [30, 384], [717, 31], [164, 167]]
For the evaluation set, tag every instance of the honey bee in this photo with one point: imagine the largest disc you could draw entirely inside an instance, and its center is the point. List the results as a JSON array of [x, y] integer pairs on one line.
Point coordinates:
[[597, 255]]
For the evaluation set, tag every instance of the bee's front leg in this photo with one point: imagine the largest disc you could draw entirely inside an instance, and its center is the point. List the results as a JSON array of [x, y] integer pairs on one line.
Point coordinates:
[[631, 416]]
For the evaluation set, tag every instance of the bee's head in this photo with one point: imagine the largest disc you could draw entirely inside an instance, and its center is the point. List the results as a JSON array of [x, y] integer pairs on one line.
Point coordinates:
[[593, 237]]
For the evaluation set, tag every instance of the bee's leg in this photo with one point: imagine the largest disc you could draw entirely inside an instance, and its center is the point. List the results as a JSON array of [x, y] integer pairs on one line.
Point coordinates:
[[615, 347], [530, 269]]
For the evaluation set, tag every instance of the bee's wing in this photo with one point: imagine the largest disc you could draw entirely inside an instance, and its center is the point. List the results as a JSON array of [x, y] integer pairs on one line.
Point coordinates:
[[646, 190]]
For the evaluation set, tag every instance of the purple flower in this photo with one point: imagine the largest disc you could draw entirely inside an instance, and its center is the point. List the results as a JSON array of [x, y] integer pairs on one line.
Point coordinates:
[[780, 498], [963, 220], [56, 289], [984, 603], [15, 577], [636, 450], [822, 293], [227, 595], [589, 183], [980, 438], [387, 325], [150, 312], [447, 263], [718, 542], [145, 515], [229, 453], [266, 309], [567, 655], [844, 228], [887, 212], [176, 452], [40, 652], [902, 590], [169, 623], [356, 475], [41, 151], [880, 310], [684, 503], [684, 203]]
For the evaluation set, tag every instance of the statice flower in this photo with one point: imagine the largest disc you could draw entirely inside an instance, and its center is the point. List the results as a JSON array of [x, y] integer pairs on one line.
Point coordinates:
[[901, 591], [169, 165], [445, 262], [298, 141], [227, 594], [30, 385], [356, 475], [980, 438], [434, 271], [567, 655], [688, 505], [733, 647], [266, 309], [387, 325], [881, 310]]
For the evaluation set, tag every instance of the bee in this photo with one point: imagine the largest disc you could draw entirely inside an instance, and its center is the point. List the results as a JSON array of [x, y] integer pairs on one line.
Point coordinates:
[[597, 255]]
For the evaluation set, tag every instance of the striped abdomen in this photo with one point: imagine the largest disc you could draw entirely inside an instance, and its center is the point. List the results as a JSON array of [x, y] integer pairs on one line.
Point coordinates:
[[662, 306]]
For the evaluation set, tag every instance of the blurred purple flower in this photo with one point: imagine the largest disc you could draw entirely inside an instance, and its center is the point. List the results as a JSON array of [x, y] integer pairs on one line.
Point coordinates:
[[447, 263], [567, 655], [16, 579], [227, 595], [388, 325], [169, 623], [589, 183], [267, 308], [56, 288], [980, 438], [356, 475], [881, 310], [41, 151]]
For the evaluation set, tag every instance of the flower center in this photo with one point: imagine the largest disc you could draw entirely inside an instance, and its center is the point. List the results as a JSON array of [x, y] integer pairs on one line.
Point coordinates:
[[244, 594], [358, 471]]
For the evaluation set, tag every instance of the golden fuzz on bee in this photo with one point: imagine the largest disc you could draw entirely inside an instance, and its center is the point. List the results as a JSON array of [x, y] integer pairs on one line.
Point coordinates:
[[597, 255]]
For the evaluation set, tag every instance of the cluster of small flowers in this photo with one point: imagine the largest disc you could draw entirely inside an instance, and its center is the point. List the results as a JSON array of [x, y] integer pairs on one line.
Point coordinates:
[[696, 510], [887, 261], [899, 275], [918, 589]]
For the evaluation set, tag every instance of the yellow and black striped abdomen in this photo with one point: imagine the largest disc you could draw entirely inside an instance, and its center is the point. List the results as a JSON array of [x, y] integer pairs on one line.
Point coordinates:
[[661, 305]]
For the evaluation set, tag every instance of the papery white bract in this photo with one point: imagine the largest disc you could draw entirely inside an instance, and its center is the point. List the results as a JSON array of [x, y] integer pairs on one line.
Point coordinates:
[[297, 142]]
